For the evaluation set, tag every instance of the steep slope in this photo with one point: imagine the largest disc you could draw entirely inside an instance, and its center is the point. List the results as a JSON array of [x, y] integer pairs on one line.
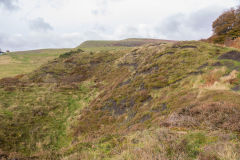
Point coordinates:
[[158, 101], [22, 62]]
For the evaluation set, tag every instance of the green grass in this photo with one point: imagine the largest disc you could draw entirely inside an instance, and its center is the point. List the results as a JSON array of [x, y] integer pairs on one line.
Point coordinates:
[[41, 124], [15, 63]]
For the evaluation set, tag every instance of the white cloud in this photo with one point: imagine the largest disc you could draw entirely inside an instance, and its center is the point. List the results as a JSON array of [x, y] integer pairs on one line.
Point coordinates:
[[69, 22]]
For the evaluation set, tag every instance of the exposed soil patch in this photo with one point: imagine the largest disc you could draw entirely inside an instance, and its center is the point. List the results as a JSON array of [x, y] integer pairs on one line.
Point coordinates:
[[203, 66], [3, 156], [233, 55], [118, 108], [145, 118], [236, 88], [196, 73], [124, 83], [9, 81], [184, 47], [74, 78], [187, 46], [95, 62], [10, 84], [149, 70], [228, 64], [217, 64], [164, 107], [169, 53], [135, 65]]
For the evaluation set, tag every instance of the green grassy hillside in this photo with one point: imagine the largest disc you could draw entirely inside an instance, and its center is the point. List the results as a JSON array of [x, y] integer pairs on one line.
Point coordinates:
[[15, 63], [175, 101]]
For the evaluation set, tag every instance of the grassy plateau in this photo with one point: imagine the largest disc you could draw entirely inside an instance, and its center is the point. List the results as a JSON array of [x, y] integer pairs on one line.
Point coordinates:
[[15, 63]]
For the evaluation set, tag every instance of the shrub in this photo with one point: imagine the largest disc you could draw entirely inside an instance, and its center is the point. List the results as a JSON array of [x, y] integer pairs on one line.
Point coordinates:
[[68, 54]]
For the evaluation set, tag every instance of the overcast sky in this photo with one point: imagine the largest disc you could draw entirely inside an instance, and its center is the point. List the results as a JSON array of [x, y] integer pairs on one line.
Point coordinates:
[[34, 24]]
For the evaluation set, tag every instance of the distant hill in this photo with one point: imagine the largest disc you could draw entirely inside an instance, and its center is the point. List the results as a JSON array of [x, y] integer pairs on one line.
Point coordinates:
[[131, 42]]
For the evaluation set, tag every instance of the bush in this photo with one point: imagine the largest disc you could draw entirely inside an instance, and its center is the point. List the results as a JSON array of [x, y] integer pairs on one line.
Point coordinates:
[[68, 54], [226, 26]]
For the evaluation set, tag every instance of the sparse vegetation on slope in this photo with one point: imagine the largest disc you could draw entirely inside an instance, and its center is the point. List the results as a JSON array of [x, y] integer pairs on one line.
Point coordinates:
[[157, 101]]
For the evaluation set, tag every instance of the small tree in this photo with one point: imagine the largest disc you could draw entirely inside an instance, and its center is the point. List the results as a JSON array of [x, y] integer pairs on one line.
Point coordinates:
[[226, 26], [224, 23]]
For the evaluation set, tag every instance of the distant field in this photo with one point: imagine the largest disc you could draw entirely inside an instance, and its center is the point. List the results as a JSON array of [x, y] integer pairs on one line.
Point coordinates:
[[14, 63]]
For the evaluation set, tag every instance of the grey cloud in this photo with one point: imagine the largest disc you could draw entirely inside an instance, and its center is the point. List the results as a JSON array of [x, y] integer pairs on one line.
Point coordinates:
[[202, 19], [102, 7], [39, 24], [183, 26], [9, 4], [172, 24]]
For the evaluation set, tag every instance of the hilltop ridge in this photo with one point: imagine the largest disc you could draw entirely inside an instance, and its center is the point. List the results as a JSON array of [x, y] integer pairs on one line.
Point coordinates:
[[130, 42]]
